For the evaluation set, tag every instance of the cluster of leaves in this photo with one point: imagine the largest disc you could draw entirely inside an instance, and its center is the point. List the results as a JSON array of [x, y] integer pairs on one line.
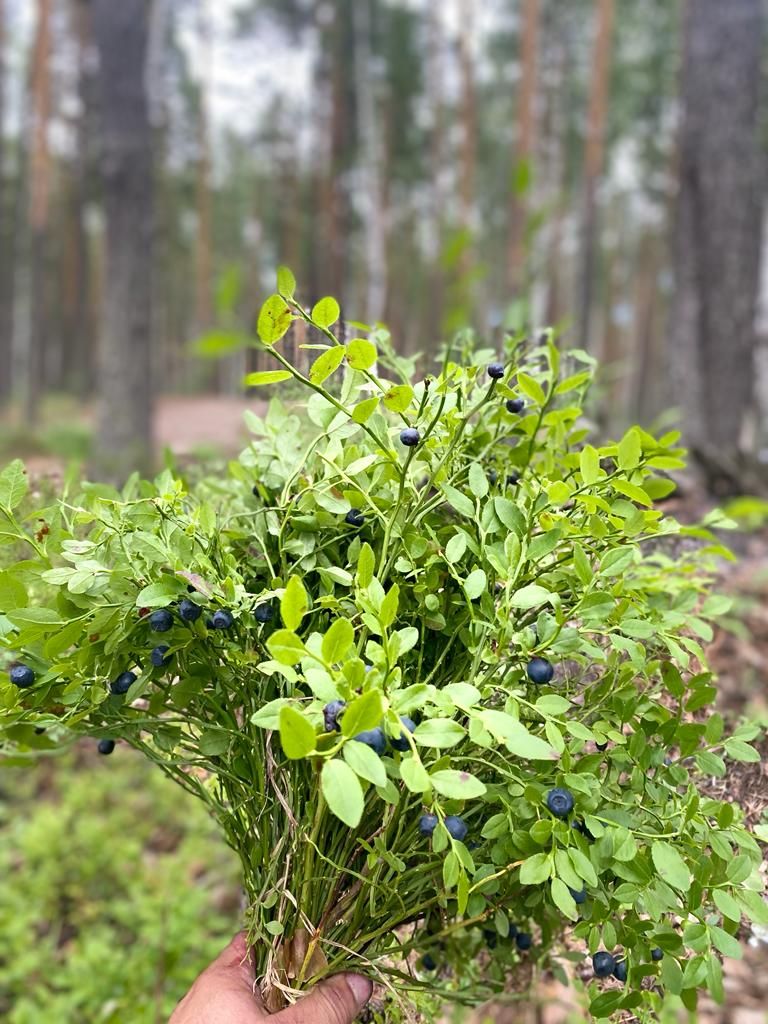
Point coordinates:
[[394, 554], [105, 878]]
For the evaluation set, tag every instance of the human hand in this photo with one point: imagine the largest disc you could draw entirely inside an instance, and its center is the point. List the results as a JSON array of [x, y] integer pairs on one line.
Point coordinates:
[[224, 994]]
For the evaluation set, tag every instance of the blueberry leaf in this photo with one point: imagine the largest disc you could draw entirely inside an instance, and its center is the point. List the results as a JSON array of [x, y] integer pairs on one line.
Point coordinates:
[[342, 791]]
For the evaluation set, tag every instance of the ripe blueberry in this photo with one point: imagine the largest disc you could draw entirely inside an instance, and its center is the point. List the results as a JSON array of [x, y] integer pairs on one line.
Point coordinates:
[[512, 931], [161, 620], [354, 518], [620, 971], [428, 963], [427, 824], [255, 490], [222, 619], [579, 826], [524, 941], [496, 371], [21, 676], [540, 670], [373, 738], [513, 479], [158, 656], [493, 477], [657, 954], [106, 746], [601, 746], [560, 802], [264, 613], [331, 714], [491, 937], [123, 682], [401, 743], [603, 964], [189, 611], [410, 437], [579, 896], [457, 827], [515, 405]]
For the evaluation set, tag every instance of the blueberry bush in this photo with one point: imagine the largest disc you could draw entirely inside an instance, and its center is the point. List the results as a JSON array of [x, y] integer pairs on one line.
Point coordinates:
[[433, 660]]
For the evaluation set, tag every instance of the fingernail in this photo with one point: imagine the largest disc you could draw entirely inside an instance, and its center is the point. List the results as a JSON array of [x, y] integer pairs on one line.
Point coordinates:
[[361, 988]]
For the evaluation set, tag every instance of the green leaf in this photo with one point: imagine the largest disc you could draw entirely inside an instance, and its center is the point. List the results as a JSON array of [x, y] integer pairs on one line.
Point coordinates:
[[326, 364], [14, 484], [537, 869], [531, 387], [361, 354], [213, 742], [13, 593], [268, 716], [455, 548], [274, 320], [475, 584], [158, 595], [510, 515], [589, 464], [256, 380], [398, 398], [343, 792], [388, 609], [297, 735], [364, 410], [531, 596], [364, 712], [463, 505], [286, 282], [671, 866], [365, 763], [286, 647], [478, 481], [366, 565], [726, 943], [414, 775], [561, 897], [338, 640], [630, 449], [439, 732], [516, 737], [326, 312], [457, 785], [294, 603], [726, 904]]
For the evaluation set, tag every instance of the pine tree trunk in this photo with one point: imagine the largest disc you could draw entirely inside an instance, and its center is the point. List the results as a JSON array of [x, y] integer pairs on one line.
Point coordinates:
[[718, 233], [524, 150], [594, 158], [6, 237], [124, 436]]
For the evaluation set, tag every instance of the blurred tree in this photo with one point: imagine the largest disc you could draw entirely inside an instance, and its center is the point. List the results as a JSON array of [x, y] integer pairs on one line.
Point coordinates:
[[203, 239], [718, 233], [124, 437], [6, 232]]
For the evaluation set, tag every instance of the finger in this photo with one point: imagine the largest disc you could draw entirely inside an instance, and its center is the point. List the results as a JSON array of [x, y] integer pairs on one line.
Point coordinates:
[[336, 1001], [235, 962]]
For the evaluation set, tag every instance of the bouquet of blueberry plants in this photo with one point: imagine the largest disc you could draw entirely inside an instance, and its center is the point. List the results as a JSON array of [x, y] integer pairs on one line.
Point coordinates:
[[432, 659]]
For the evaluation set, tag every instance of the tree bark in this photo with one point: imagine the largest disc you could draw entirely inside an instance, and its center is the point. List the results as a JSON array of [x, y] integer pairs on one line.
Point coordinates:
[[524, 150], [717, 237], [124, 438], [594, 158], [6, 237]]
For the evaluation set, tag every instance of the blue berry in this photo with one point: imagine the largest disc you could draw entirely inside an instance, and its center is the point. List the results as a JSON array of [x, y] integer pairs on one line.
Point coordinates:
[[161, 620], [428, 963], [222, 619], [158, 656], [579, 896], [189, 611], [513, 479], [603, 964], [657, 954], [579, 826], [264, 613], [523, 941], [540, 671], [21, 676], [355, 518], [620, 971], [410, 437], [560, 802], [496, 371], [428, 824], [601, 746], [331, 715], [401, 743], [373, 738], [123, 682], [515, 405], [457, 827], [491, 937], [106, 746]]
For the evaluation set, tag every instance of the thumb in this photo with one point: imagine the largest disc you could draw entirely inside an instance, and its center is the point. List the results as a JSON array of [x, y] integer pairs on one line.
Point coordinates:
[[336, 1001]]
